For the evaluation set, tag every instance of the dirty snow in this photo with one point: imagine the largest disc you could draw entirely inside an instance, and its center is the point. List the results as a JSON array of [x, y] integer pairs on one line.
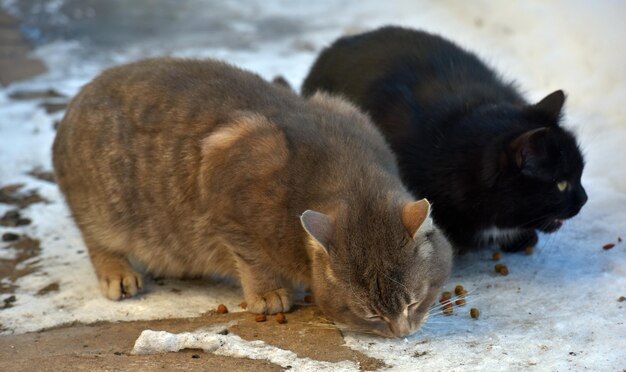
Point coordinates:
[[558, 308], [216, 342]]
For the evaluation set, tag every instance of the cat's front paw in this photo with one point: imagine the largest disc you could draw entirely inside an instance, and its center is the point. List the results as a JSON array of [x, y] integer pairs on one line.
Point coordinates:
[[118, 284], [272, 302]]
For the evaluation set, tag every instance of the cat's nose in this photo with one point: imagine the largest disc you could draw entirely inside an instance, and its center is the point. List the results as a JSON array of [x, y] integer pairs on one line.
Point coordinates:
[[579, 199], [400, 327]]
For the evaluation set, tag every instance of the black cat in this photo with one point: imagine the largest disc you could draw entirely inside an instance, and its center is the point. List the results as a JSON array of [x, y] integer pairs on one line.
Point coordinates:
[[495, 167]]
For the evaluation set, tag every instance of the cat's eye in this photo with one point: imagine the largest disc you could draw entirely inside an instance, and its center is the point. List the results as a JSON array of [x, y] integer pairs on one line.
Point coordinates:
[[562, 186], [413, 306], [374, 317], [410, 308]]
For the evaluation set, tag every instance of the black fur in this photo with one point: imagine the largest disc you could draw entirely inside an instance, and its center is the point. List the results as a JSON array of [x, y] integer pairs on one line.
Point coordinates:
[[464, 139]]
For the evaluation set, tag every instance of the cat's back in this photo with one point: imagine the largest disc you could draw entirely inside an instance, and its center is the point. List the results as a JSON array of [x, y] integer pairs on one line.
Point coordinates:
[[157, 108], [354, 62], [169, 92], [393, 61], [130, 147]]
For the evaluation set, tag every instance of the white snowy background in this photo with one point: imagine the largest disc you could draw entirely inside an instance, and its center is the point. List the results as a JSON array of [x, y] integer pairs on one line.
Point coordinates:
[[556, 310]]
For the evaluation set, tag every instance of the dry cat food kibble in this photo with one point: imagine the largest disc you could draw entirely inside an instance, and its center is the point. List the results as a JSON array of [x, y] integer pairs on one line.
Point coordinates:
[[496, 256], [502, 269], [474, 313], [529, 250], [260, 318], [460, 302], [445, 296], [448, 309], [459, 290], [222, 309], [281, 318], [606, 247]]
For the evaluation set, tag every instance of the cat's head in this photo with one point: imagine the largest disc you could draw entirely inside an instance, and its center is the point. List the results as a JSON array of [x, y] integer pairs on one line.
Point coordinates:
[[377, 272], [538, 180]]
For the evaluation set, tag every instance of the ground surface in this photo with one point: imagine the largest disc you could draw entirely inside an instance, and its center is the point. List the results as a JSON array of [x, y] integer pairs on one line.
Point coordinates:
[[559, 308], [109, 345]]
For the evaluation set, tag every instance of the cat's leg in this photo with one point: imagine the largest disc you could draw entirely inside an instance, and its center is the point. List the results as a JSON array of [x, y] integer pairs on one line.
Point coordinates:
[[264, 289], [117, 278], [519, 241]]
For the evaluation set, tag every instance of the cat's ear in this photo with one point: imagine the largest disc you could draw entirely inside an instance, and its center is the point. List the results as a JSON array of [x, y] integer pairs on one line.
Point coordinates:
[[415, 216], [319, 226], [552, 104], [529, 148]]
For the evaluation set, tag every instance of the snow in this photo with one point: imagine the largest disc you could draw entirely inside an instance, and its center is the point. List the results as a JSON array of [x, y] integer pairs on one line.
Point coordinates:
[[558, 308], [214, 341]]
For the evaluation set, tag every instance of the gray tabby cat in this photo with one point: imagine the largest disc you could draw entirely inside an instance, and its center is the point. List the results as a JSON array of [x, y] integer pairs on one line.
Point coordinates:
[[197, 167]]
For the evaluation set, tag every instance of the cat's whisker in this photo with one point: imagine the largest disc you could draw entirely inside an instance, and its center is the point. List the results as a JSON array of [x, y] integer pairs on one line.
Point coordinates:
[[436, 320], [535, 219], [437, 314], [452, 301]]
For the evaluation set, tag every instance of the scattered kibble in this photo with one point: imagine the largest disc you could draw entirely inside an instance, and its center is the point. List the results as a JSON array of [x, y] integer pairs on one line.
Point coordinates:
[[496, 256], [529, 250], [504, 270], [445, 296], [459, 290], [243, 305], [448, 309], [621, 299], [308, 299], [260, 318], [460, 302], [474, 313], [606, 247], [222, 309], [281, 318]]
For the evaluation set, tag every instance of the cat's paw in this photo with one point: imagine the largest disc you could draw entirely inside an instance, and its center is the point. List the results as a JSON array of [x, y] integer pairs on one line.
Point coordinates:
[[276, 301], [122, 283]]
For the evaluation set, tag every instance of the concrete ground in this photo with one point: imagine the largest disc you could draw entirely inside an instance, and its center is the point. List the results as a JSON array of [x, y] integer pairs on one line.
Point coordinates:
[[107, 346]]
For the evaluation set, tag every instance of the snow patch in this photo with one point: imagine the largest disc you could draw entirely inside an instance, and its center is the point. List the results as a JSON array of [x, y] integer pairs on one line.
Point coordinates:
[[154, 342]]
